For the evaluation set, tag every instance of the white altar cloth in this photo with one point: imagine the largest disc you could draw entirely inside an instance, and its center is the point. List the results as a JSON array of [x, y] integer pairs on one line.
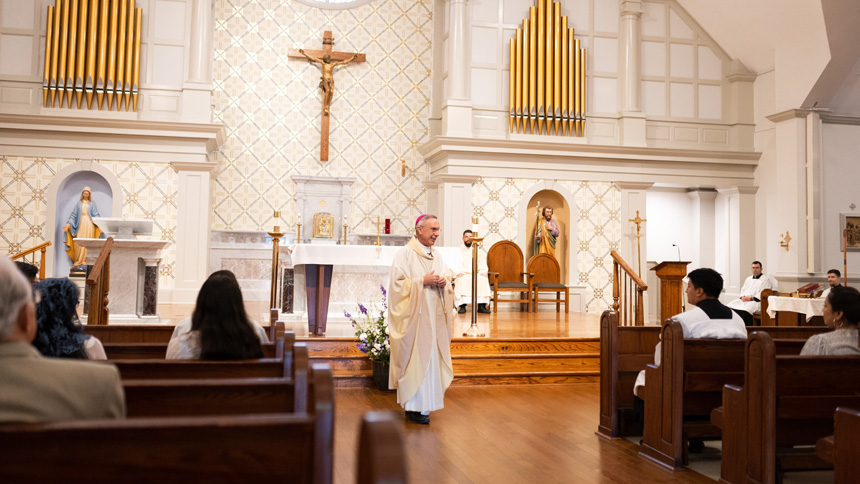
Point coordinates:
[[803, 305], [360, 255]]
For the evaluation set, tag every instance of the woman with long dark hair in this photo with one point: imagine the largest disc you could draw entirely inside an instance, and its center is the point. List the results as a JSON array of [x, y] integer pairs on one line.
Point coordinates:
[[219, 328], [59, 333]]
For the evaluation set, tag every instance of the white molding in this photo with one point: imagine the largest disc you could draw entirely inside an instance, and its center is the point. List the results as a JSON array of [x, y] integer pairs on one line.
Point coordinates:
[[104, 138]]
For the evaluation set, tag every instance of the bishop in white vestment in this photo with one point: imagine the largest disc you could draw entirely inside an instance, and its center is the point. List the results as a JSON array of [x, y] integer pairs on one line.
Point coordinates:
[[419, 315], [463, 279]]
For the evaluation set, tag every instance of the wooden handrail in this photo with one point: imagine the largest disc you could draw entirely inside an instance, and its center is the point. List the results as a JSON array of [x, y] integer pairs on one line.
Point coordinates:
[[629, 270], [627, 293], [98, 282], [42, 248]]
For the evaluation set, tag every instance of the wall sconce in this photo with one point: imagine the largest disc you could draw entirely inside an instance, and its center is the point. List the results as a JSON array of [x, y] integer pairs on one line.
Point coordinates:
[[784, 240]]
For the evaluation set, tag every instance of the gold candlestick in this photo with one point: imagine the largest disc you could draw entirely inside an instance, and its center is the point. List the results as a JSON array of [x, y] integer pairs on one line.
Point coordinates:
[[344, 233], [377, 223], [473, 331], [638, 221], [276, 238]]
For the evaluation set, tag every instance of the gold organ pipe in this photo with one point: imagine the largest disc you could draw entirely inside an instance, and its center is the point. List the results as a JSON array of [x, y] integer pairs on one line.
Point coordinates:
[[64, 45], [532, 68], [576, 65], [138, 22], [556, 55], [120, 53], [541, 61], [80, 63], [111, 57], [73, 44], [49, 36], [549, 66], [511, 93], [524, 75], [518, 78], [564, 76], [102, 57], [90, 74], [571, 89], [582, 87], [129, 54], [55, 51]]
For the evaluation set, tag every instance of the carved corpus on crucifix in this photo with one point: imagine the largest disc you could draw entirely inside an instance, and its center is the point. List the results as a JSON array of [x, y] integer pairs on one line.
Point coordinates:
[[327, 61]]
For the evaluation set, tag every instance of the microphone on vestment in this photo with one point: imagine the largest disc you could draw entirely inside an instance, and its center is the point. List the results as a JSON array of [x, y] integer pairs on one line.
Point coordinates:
[[683, 304]]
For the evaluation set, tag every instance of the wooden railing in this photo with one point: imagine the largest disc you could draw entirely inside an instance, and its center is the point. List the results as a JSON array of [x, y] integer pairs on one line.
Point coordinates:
[[98, 282], [42, 248], [627, 293]]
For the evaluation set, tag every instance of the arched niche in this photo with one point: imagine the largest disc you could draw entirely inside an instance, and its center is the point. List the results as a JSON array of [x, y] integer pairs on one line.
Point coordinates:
[[564, 211], [62, 195]]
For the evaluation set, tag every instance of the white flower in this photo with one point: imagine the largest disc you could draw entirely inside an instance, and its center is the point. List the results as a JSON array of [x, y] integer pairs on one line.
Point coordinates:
[[362, 336]]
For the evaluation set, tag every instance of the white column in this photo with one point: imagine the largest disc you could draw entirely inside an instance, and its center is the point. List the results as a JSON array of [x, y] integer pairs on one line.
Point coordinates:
[[457, 108], [197, 89], [632, 120], [740, 236], [192, 232], [453, 206], [633, 198], [704, 227]]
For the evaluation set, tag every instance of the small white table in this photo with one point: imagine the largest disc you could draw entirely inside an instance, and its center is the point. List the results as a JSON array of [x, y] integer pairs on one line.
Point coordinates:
[[802, 305]]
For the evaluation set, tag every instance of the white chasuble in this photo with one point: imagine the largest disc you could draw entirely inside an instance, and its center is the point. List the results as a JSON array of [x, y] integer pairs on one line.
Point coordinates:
[[419, 321]]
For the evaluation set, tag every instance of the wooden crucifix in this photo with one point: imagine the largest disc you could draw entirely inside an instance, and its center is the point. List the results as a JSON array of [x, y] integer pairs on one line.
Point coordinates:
[[327, 60]]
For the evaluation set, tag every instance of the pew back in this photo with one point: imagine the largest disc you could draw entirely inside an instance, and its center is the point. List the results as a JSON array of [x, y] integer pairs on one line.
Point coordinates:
[[237, 448], [150, 333], [840, 449]]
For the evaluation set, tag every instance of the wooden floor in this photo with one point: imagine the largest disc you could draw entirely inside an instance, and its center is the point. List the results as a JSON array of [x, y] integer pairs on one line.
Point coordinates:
[[503, 434]]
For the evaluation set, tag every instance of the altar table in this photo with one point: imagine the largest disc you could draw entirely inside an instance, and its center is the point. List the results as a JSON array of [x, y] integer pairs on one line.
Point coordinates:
[[810, 307], [365, 262]]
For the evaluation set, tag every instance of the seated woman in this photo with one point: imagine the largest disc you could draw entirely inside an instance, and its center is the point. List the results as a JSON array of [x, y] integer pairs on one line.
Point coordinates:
[[842, 312], [219, 328], [59, 333]]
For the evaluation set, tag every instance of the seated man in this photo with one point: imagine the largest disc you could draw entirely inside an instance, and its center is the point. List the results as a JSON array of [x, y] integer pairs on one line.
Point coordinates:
[[463, 279], [748, 302], [834, 278], [709, 319], [34, 388]]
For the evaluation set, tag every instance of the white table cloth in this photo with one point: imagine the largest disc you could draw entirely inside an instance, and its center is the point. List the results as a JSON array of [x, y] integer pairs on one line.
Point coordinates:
[[803, 305]]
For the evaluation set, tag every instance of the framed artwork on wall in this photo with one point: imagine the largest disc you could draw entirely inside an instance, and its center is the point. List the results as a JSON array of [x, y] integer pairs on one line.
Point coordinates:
[[850, 221]]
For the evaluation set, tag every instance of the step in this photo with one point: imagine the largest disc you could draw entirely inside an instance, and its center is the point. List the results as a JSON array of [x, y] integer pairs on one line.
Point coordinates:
[[365, 379]]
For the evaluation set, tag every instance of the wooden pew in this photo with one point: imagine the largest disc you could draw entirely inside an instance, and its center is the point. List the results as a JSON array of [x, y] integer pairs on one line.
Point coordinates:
[[381, 458], [840, 449], [277, 447], [682, 391], [785, 401], [151, 333], [624, 351], [156, 351]]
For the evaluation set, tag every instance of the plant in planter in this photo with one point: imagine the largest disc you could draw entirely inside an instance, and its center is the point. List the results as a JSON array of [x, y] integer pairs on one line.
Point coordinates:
[[371, 331]]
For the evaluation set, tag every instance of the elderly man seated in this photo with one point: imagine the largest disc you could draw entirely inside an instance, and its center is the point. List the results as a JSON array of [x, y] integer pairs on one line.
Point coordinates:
[[463, 279], [34, 388]]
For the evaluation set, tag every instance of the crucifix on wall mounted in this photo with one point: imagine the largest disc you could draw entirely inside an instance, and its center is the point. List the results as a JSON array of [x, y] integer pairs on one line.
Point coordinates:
[[327, 61]]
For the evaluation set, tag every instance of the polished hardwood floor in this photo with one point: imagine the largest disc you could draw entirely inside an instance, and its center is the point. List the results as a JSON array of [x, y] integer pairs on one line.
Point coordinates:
[[503, 434]]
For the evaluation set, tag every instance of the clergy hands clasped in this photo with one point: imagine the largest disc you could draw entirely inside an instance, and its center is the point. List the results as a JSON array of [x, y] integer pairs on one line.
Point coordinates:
[[432, 279]]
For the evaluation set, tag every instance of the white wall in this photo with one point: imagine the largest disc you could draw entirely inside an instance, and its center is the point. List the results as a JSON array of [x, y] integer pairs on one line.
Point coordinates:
[[841, 145], [670, 216]]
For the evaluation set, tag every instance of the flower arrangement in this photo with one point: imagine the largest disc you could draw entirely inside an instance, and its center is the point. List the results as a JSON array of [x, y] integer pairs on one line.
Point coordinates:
[[372, 331]]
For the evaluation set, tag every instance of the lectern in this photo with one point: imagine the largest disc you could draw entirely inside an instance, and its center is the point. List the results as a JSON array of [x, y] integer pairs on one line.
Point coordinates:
[[671, 299]]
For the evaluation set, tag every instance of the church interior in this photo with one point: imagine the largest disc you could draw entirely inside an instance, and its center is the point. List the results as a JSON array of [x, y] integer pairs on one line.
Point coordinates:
[[296, 142]]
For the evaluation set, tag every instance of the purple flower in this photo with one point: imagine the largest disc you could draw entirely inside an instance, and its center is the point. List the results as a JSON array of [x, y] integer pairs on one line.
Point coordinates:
[[382, 288], [362, 308], [349, 316], [361, 347]]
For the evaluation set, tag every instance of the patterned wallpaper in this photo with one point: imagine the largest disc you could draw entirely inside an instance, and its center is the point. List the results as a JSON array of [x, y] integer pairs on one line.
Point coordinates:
[[271, 107], [496, 200], [149, 190]]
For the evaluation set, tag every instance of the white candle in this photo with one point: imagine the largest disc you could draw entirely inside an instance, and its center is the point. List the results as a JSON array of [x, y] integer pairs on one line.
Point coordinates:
[[344, 219]]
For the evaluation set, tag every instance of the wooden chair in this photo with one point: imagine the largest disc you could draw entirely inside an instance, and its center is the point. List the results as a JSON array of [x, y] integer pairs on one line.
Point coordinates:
[[762, 319], [505, 264], [547, 278]]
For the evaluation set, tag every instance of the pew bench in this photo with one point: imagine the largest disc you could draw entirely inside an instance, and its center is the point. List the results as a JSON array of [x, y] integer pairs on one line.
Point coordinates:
[[155, 351], [155, 333], [279, 447], [785, 402], [681, 392], [840, 449]]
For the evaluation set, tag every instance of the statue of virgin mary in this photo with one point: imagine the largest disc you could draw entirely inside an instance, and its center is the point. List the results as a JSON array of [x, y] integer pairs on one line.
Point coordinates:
[[80, 225]]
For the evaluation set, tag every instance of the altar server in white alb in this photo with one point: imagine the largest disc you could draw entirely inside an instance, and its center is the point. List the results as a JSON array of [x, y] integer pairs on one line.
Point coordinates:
[[748, 302], [709, 319], [419, 315], [463, 279]]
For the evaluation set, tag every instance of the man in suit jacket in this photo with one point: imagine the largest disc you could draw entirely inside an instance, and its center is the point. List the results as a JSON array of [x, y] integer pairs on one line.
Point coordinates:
[[34, 388]]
